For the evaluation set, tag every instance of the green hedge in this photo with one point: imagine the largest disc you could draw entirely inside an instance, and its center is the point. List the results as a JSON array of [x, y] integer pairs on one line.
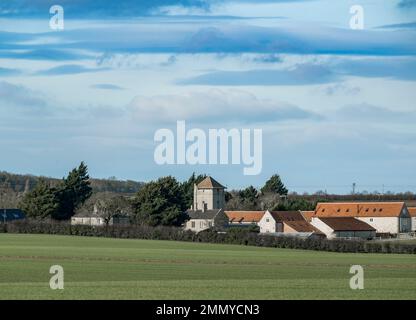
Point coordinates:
[[240, 237]]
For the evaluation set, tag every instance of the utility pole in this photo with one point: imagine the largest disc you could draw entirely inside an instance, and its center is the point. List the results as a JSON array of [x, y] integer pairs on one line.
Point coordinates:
[[353, 187]]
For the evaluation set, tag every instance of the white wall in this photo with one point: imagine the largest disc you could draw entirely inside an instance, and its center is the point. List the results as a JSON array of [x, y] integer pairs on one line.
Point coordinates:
[[324, 228], [413, 223], [200, 224], [90, 221], [267, 224], [382, 224]]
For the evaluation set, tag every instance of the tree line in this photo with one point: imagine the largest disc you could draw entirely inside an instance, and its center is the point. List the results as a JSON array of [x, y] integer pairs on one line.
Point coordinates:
[[160, 202]]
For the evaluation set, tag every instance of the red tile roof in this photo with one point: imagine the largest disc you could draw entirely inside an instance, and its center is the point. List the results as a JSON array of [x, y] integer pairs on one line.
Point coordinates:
[[302, 226], [412, 211], [287, 215], [210, 183], [347, 224], [244, 216], [359, 209], [307, 215]]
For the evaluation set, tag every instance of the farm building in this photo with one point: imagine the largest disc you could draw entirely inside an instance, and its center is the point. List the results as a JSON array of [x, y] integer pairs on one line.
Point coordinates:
[[307, 215], [412, 212], [7, 215], [288, 222], [244, 218], [344, 227], [385, 217], [200, 220], [94, 218]]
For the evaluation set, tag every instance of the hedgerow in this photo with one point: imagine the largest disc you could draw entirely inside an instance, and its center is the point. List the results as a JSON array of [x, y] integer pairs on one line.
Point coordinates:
[[232, 236]]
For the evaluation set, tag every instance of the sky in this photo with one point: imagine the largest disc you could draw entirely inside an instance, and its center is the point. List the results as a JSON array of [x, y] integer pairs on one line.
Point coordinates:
[[337, 105]]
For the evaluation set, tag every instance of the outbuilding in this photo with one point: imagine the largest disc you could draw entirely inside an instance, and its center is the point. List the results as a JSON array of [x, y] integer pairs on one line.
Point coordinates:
[[385, 217], [346, 227]]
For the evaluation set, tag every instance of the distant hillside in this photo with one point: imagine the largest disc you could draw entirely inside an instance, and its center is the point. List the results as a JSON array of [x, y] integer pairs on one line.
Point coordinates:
[[13, 186]]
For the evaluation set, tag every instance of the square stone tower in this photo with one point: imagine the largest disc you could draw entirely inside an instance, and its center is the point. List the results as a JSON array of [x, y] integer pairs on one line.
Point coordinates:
[[209, 194]]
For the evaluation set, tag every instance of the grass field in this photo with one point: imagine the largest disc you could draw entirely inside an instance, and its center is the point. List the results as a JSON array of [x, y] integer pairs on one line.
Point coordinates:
[[100, 268]]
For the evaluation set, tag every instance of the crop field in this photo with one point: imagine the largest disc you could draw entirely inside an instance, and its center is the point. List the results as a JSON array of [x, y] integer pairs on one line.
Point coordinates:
[[102, 268]]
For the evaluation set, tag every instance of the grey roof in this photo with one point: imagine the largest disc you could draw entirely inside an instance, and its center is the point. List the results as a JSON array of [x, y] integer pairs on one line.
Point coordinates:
[[86, 214], [11, 214], [89, 214], [207, 214]]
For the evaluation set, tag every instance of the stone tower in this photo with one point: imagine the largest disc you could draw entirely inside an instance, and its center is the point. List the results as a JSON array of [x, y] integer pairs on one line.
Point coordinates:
[[209, 194]]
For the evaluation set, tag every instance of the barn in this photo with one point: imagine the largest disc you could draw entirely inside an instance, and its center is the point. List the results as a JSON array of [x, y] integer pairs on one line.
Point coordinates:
[[344, 227], [385, 217]]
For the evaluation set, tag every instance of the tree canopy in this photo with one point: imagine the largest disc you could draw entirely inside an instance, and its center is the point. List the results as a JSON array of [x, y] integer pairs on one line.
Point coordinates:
[[161, 202], [58, 202], [274, 185], [41, 202]]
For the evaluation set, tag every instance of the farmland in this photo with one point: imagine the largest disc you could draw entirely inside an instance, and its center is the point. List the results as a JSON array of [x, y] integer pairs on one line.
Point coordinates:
[[103, 268]]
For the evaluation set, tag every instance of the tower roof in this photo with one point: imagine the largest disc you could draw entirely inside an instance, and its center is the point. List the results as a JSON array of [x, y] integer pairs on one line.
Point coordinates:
[[210, 183]]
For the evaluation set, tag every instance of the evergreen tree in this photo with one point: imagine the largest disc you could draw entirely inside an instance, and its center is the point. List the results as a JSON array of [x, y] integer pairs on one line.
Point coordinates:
[[188, 188], [161, 202], [74, 190], [274, 185], [248, 198], [249, 193], [39, 203]]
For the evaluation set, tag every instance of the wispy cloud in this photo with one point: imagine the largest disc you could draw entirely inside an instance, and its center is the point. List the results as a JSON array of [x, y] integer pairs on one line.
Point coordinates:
[[408, 25], [67, 69], [374, 114], [195, 37], [44, 54], [13, 95], [208, 106], [94, 9], [4, 72], [310, 73], [407, 4], [106, 86], [302, 74]]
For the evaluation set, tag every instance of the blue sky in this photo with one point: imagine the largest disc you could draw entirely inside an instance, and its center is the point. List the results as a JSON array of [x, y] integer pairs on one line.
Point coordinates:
[[336, 105]]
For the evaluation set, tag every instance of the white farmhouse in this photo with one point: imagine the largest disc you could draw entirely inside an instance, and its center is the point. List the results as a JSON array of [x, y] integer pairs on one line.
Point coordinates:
[[385, 217], [286, 222]]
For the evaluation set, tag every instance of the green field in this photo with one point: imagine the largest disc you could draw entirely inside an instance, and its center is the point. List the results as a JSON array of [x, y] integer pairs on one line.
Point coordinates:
[[101, 268]]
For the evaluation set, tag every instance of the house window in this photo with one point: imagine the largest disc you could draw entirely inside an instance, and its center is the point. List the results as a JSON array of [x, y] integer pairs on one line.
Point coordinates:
[[371, 219], [267, 220], [193, 224]]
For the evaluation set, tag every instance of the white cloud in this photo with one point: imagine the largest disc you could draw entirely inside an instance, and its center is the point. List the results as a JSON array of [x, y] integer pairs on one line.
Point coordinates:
[[214, 106]]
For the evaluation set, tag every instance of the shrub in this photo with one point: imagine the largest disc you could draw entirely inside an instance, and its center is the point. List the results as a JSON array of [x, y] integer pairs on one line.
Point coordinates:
[[239, 236]]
